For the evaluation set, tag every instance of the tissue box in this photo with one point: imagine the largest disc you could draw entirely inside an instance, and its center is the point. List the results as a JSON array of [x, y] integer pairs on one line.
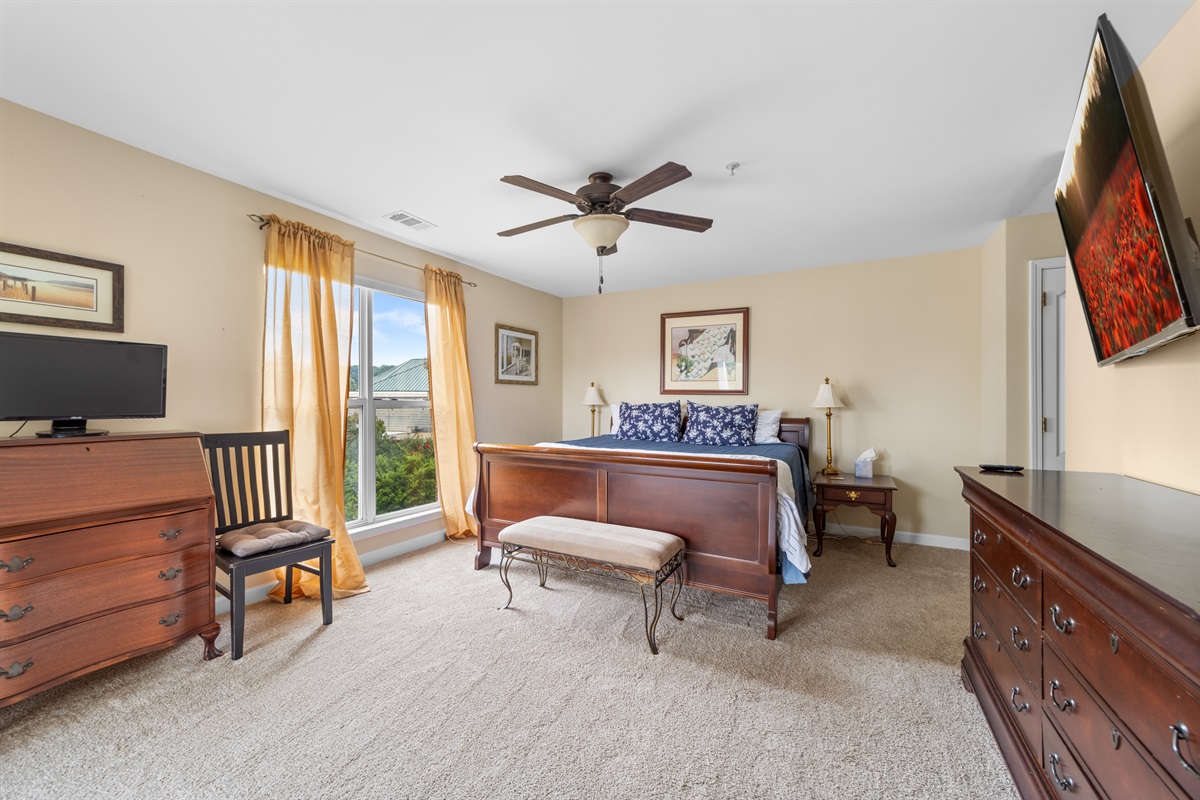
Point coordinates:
[[862, 468]]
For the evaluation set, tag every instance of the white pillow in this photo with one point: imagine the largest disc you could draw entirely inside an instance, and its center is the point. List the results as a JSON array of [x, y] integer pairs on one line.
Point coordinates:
[[766, 431], [615, 410]]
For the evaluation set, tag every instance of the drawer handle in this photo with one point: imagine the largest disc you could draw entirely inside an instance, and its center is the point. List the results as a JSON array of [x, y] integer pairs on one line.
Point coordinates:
[[1013, 700], [1066, 784], [17, 564], [171, 534], [17, 669], [1065, 706], [1116, 737], [1114, 642], [1021, 645], [978, 584], [1180, 731], [852, 495], [170, 619], [16, 613], [977, 631], [980, 537], [1018, 580], [172, 573], [1062, 627]]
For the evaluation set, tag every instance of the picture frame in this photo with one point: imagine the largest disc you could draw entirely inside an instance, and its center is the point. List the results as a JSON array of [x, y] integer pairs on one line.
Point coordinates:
[[705, 352], [75, 292], [516, 355]]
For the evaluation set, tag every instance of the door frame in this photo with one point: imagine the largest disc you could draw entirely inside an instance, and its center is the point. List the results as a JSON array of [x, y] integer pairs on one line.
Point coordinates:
[[1036, 267]]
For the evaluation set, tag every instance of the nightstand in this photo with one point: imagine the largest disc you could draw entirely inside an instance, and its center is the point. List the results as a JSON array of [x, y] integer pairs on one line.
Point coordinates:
[[873, 494]]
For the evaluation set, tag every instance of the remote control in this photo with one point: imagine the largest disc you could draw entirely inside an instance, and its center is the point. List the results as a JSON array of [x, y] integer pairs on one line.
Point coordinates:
[[1001, 467]]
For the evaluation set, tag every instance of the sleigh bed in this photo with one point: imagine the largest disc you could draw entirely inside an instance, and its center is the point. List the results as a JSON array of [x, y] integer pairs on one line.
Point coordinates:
[[724, 508]]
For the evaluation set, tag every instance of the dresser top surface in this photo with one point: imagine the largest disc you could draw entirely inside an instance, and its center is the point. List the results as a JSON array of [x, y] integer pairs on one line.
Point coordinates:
[[1149, 531]]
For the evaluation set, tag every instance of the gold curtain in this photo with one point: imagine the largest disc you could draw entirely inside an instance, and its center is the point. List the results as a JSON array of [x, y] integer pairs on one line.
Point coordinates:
[[450, 398], [306, 377]]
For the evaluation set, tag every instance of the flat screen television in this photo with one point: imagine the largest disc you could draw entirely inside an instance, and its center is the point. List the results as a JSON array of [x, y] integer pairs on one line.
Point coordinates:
[[1135, 263], [70, 380]]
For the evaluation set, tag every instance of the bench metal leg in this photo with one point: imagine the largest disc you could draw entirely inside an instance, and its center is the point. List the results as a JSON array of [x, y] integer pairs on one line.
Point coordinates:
[[675, 593], [506, 558], [652, 625]]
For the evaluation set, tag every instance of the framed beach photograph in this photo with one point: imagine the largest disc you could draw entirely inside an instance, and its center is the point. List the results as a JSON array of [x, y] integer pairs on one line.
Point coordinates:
[[705, 352], [516, 355], [38, 287]]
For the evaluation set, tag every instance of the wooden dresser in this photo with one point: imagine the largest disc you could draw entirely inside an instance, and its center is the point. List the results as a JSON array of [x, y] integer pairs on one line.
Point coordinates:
[[106, 552], [1084, 650]]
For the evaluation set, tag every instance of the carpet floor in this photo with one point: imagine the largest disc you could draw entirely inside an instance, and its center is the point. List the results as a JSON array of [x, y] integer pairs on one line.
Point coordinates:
[[423, 689]]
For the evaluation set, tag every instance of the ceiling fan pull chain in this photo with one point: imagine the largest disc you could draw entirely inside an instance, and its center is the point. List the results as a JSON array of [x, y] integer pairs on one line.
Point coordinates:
[[600, 268]]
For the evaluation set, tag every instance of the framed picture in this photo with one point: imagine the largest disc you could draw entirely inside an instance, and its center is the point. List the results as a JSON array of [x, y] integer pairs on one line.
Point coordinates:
[[705, 352], [38, 287], [516, 355]]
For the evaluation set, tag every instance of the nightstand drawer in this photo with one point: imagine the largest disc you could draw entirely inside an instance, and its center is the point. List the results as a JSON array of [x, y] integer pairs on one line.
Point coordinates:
[[865, 496]]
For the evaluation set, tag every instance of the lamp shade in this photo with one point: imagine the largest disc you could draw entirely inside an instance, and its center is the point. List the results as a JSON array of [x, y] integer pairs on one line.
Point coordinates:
[[825, 397], [601, 230], [592, 397]]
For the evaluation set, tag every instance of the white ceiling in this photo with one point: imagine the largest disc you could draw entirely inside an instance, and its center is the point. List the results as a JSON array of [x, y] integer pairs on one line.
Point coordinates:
[[865, 130]]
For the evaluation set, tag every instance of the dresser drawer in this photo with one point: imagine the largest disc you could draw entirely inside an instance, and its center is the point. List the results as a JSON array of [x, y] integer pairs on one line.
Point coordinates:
[[1019, 573], [1013, 625], [40, 605], [79, 648], [1101, 743], [1142, 696], [1062, 768], [1021, 699], [56, 552]]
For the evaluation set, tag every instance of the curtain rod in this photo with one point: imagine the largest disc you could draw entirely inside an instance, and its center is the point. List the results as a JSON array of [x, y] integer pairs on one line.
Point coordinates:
[[264, 222]]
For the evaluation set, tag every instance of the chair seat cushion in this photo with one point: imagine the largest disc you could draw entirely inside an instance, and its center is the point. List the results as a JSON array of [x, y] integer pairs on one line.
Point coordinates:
[[265, 536]]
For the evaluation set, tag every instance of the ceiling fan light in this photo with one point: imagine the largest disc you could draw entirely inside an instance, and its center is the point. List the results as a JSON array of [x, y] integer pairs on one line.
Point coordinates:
[[601, 230]]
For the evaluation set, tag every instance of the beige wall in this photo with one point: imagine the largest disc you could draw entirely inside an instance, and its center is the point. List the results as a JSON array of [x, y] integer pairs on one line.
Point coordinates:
[[1141, 417], [899, 339], [193, 273]]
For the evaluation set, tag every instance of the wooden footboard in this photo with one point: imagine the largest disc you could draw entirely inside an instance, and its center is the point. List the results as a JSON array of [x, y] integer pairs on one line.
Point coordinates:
[[723, 508]]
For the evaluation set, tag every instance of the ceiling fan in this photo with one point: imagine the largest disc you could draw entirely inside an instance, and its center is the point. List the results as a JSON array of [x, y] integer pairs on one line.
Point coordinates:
[[603, 217]]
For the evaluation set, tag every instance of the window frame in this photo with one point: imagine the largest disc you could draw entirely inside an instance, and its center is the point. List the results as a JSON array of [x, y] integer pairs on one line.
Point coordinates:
[[367, 406]]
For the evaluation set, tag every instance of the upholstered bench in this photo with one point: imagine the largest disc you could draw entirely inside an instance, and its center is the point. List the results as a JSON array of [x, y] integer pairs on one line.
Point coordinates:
[[644, 556]]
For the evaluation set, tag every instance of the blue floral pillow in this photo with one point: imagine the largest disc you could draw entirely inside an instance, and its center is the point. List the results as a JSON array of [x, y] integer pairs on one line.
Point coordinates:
[[652, 422], [724, 425]]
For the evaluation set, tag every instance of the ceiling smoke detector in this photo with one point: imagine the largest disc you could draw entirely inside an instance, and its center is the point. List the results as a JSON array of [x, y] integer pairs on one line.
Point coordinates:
[[409, 221]]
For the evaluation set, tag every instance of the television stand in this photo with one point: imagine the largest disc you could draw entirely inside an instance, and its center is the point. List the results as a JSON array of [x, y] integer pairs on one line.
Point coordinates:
[[62, 428]]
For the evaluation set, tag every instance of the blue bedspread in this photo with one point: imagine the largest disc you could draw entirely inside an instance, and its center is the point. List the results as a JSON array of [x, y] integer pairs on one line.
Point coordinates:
[[786, 452]]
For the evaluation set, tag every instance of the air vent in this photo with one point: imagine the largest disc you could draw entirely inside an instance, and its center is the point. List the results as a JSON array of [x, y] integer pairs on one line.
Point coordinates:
[[409, 221]]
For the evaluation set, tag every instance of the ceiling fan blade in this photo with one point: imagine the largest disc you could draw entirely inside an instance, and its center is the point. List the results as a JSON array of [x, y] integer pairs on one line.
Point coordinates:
[[534, 186], [682, 221], [650, 183], [533, 226]]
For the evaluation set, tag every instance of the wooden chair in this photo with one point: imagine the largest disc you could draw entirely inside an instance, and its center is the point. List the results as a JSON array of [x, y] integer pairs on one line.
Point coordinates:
[[251, 476]]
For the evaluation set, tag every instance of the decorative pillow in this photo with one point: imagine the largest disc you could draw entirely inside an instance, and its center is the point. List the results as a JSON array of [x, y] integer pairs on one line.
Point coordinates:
[[766, 430], [726, 425], [653, 422], [615, 410], [263, 536]]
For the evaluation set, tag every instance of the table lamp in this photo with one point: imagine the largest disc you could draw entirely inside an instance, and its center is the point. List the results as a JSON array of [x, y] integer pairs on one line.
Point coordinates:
[[592, 398], [827, 400]]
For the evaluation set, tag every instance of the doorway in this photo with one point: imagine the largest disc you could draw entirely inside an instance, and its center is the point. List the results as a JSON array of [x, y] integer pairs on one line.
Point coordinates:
[[1047, 317]]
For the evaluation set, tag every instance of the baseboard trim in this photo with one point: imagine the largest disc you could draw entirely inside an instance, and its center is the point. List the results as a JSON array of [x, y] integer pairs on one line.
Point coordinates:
[[256, 594], [926, 539]]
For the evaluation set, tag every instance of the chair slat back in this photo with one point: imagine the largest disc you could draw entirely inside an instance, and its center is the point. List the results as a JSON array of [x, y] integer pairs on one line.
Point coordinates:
[[251, 475]]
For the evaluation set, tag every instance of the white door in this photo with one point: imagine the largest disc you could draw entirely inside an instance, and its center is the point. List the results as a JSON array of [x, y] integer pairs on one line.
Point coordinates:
[[1049, 435]]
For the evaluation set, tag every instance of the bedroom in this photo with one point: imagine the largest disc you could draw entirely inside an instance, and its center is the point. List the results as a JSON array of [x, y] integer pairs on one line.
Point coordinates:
[[930, 385]]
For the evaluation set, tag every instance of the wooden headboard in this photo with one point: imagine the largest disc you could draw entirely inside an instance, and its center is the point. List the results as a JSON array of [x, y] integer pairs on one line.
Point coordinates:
[[797, 430]]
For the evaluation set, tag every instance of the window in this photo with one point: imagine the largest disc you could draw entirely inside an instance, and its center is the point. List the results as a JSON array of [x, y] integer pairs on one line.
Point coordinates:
[[389, 431]]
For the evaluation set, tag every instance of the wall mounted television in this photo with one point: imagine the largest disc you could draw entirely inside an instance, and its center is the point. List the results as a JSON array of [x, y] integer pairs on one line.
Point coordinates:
[[1135, 262], [70, 380]]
